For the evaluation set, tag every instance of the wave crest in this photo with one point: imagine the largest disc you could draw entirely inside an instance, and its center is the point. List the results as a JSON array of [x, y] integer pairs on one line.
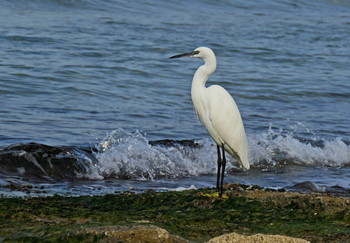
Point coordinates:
[[276, 148], [126, 155], [130, 155]]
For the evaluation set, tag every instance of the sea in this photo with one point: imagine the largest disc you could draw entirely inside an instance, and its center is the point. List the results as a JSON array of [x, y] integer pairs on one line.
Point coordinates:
[[91, 104]]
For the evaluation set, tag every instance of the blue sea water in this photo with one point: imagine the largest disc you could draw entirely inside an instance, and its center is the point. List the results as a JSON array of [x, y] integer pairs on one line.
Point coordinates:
[[89, 72]]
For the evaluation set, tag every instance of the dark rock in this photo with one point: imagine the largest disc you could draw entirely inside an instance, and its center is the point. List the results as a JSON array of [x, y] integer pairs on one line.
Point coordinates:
[[175, 143], [41, 161]]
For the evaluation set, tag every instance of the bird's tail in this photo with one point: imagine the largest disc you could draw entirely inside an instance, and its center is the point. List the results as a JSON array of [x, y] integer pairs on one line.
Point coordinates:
[[241, 157]]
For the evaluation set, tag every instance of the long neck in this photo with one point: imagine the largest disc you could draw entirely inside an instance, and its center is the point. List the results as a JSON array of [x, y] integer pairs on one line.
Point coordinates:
[[203, 72]]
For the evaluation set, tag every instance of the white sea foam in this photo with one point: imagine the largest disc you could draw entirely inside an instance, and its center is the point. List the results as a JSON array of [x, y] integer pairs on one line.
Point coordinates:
[[129, 155], [278, 148], [180, 189]]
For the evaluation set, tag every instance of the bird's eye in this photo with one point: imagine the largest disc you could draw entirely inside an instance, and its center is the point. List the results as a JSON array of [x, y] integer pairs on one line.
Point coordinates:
[[195, 52]]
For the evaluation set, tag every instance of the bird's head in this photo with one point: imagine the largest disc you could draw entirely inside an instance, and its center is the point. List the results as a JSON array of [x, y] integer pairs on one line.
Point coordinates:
[[200, 52]]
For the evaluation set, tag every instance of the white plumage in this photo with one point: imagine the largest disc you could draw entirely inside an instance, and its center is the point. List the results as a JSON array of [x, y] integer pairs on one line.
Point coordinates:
[[219, 113]]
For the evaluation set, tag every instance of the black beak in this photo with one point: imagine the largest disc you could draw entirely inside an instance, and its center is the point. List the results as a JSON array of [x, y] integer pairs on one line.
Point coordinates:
[[189, 54]]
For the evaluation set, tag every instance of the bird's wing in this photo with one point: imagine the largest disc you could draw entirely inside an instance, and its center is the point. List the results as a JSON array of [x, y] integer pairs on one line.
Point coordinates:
[[226, 123]]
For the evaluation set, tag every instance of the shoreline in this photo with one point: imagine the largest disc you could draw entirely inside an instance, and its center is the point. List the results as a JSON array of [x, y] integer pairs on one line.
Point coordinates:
[[194, 215]]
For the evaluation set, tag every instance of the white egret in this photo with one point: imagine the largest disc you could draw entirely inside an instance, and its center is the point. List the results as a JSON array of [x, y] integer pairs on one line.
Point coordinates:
[[219, 113]]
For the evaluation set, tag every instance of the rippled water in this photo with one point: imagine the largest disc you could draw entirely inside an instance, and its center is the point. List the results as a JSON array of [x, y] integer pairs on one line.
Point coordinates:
[[73, 71]]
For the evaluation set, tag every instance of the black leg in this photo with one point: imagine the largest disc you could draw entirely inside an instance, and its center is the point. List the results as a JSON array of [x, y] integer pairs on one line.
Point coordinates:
[[223, 166], [219, 169]]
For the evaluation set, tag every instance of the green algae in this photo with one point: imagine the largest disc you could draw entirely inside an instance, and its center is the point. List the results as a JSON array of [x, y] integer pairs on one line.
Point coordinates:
[[188, 214]]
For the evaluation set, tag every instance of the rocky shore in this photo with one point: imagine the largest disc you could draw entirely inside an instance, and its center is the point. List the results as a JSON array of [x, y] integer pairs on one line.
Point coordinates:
[[244, 214]]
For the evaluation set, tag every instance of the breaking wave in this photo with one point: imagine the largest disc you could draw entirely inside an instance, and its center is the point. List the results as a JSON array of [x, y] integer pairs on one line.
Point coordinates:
[[278, 148], [129, 155]]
